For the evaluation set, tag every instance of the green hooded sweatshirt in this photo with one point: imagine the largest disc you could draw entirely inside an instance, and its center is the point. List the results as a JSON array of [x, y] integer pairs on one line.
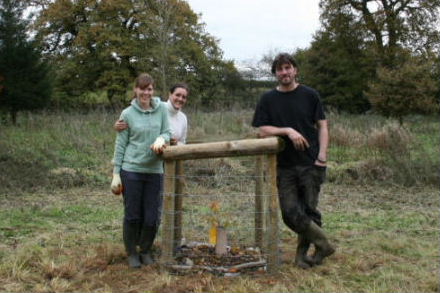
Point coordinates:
[[132, 146]]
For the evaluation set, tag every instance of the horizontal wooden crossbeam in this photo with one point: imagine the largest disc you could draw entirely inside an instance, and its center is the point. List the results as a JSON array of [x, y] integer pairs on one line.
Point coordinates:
[[233, 148]]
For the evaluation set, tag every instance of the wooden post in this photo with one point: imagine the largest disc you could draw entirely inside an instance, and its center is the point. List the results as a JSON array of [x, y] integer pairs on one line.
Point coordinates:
[[168, 212], [178, 203], [272, 261], [259, 210], [233, 148]]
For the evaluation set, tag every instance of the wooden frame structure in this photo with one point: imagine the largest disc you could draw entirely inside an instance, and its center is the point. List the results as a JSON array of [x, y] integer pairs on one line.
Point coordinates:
[[264, 149]]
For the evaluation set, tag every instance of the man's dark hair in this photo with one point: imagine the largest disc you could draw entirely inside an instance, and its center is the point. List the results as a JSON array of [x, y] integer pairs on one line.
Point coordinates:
[[282, 58]]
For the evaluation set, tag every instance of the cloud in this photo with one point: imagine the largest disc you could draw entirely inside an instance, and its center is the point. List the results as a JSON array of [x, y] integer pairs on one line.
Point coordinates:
[[249, 29]]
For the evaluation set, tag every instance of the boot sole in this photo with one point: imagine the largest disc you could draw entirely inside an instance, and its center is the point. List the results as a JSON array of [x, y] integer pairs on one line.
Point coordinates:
[[303, 265]]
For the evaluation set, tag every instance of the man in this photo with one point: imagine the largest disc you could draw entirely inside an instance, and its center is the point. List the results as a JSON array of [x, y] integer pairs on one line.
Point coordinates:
[[177, 98], [294, 112]]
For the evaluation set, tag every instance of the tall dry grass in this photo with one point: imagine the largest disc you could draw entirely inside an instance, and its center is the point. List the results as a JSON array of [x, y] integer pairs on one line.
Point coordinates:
[[64, 150], [373, 149]]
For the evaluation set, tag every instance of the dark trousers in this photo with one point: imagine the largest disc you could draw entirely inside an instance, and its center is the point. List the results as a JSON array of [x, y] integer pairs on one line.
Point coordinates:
[[142, 198], [298, 192]]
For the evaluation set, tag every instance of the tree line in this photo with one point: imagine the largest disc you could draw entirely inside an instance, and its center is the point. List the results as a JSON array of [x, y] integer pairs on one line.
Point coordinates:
[[381, 55], [367, 55]]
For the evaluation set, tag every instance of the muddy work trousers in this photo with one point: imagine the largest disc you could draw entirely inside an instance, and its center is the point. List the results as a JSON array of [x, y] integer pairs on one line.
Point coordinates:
[[298, 192]]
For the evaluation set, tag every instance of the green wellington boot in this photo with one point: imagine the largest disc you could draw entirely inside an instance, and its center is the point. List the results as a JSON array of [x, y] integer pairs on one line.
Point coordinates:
[[145, 243], [302, 260], [131, 236], [317, 236]]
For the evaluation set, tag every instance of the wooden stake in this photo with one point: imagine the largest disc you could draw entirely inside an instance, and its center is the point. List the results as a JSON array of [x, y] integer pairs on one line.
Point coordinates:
[[259, 211], [168, 212], [272, 262], [222, 241], [178, 203]]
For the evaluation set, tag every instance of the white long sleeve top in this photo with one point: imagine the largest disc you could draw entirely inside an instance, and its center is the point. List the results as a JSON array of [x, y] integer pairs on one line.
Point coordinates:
[[178, 123]]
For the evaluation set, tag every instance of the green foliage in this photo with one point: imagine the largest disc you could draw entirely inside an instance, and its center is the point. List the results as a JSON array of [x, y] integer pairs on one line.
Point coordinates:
[[25, 79], [336, 64], [411, 88], [362, 44], [103, 45], [436, 75], [390, 25]]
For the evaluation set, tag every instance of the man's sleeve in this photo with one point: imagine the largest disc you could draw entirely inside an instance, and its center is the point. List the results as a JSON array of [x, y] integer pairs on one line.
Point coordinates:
[[261, 116], [319, 108]]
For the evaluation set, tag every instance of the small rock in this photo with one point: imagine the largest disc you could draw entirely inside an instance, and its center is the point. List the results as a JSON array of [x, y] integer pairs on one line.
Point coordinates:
[[231, 275], [188, 262]]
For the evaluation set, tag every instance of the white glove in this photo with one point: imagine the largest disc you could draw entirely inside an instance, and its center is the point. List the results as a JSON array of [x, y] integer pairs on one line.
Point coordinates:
[[158, 145], [116, 185]]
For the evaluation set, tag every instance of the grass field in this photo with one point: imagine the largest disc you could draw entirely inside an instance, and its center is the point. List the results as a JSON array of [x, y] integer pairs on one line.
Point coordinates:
[[61, 228]]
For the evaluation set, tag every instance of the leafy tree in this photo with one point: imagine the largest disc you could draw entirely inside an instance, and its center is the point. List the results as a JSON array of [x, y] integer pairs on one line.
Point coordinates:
[[390, 24], [102, 45], [25, 80], [411, 88], [436, 74], [360, 36], [337, 65]]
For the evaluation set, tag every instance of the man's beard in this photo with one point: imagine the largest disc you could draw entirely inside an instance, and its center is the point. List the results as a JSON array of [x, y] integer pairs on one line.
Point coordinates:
[[286, 80]]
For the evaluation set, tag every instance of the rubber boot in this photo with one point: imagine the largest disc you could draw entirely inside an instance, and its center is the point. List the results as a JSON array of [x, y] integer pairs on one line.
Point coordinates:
[[302, 260], [317, 236], [131, 235], [145, 243]]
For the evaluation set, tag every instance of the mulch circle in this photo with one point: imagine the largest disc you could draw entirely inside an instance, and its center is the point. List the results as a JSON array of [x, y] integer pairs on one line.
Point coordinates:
[[196, 258]]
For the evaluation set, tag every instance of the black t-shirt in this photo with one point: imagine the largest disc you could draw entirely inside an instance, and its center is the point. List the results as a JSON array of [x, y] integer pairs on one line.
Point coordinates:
[[299, 109]]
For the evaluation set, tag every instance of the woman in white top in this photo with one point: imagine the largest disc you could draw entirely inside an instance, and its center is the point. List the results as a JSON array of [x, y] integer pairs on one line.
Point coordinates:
[[178, 122], [177, 99]]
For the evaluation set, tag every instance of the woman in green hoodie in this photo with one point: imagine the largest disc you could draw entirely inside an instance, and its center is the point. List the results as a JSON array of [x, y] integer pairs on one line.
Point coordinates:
[[138, 170]]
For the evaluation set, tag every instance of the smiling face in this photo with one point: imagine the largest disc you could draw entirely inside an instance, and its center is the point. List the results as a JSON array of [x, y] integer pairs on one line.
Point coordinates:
[[144, 95], [286, 74], [178, 98]]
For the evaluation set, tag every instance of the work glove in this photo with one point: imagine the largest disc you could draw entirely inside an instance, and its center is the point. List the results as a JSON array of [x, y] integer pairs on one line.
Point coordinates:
[[116, 185], [158, 145]]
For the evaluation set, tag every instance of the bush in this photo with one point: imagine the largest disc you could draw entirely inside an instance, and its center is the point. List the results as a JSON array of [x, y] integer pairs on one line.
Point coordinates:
[[409, 89]]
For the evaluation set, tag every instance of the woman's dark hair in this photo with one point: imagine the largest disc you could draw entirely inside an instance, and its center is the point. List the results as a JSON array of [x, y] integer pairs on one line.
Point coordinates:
[[282, 58], [179, 85]]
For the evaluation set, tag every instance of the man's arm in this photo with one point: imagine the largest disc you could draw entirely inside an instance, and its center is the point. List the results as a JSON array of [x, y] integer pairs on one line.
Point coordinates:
[[299, 142], [323, 138]]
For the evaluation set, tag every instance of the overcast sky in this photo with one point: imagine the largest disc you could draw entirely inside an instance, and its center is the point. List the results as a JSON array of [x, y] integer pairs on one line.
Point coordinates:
[[248, 29]]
